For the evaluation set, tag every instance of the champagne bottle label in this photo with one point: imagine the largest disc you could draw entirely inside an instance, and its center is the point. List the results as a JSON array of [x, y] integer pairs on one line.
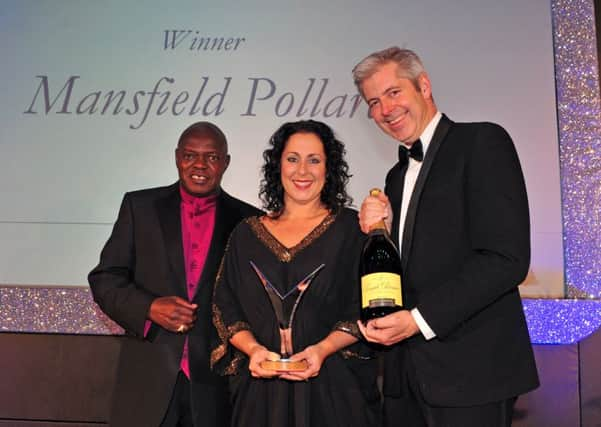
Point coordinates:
[[379, 289]]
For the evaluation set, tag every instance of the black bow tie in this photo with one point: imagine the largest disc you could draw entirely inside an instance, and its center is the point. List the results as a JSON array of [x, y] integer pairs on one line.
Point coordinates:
[[416, 152]]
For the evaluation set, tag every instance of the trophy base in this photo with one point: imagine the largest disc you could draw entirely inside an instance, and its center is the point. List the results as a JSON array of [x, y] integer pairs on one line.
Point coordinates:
[[285, 365]]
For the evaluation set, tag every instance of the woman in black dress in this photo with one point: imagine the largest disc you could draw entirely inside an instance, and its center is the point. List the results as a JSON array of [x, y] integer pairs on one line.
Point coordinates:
[[309, 229]]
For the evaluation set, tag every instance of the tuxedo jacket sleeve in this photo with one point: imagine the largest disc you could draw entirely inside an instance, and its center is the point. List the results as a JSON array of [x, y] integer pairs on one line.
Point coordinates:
[[115, 283], [465, 250], [488, 241]]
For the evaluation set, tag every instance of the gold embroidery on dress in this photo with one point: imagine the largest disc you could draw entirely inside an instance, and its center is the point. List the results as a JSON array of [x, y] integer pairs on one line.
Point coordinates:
[[218, 352], [237, 327], [216, 355], [283, 253], [348, 327], [232, 367], [348, 354], [225, 333], [351, 328], [217, 317]]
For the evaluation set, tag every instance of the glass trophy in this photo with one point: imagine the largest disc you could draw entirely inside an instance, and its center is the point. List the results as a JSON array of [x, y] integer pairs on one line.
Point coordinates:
[[285, 307]]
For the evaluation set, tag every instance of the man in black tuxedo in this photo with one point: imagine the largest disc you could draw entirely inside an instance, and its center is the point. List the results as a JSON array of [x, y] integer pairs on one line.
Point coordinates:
[[155, 279], [460, 352]]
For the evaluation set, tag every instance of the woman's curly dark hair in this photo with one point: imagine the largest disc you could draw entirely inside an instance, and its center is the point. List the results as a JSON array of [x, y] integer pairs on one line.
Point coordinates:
[[333, 194]]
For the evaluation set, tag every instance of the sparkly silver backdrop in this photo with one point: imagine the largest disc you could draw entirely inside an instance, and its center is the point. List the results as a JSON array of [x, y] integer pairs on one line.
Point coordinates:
[[578, 106]]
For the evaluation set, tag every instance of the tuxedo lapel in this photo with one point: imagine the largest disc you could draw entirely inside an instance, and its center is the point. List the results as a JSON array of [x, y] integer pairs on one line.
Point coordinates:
[[439, 135], [171, 224], [224, 223], [394, 190]]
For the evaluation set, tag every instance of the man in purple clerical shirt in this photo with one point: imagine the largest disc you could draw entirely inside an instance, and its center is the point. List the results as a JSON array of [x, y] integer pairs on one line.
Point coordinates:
[[155, 279]]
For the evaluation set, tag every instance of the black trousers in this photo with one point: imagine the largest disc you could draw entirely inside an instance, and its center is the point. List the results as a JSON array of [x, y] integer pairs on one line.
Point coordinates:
[[411, 410], [404, 412], [179, 413]]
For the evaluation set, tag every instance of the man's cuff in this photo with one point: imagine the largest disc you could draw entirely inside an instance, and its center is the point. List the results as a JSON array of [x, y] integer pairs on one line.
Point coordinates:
[[423, 326]]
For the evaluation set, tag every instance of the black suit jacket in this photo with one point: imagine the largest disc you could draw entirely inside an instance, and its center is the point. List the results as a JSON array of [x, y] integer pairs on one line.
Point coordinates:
[[465, 250], [143, 259]]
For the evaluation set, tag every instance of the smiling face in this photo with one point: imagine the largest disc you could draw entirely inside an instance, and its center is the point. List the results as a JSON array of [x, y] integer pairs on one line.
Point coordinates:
[[303, 169], [399, 108], [201, 161]]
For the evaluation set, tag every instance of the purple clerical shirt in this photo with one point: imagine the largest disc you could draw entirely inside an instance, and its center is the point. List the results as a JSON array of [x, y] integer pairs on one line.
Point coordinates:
[[198, 223]]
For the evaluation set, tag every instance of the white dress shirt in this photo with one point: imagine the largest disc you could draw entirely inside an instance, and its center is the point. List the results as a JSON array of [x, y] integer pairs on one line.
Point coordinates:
[[413, 169]]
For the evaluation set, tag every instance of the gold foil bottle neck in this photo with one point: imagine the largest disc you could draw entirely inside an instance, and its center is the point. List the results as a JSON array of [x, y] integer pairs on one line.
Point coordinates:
[[374, 192], [380, 224]]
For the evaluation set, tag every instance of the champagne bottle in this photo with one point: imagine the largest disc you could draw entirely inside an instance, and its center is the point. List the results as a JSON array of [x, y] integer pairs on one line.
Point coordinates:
[[380, 270]]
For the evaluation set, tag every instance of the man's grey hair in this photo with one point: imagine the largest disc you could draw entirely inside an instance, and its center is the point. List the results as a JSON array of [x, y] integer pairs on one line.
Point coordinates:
[[409, 65]]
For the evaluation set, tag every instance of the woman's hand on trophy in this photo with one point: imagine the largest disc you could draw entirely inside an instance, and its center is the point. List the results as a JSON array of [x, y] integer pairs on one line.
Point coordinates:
[[258, 354], [245, 341], [314, 355]]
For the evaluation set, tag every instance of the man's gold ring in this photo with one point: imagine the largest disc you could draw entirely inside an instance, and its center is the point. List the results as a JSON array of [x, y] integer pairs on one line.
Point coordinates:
[[181, 329]]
